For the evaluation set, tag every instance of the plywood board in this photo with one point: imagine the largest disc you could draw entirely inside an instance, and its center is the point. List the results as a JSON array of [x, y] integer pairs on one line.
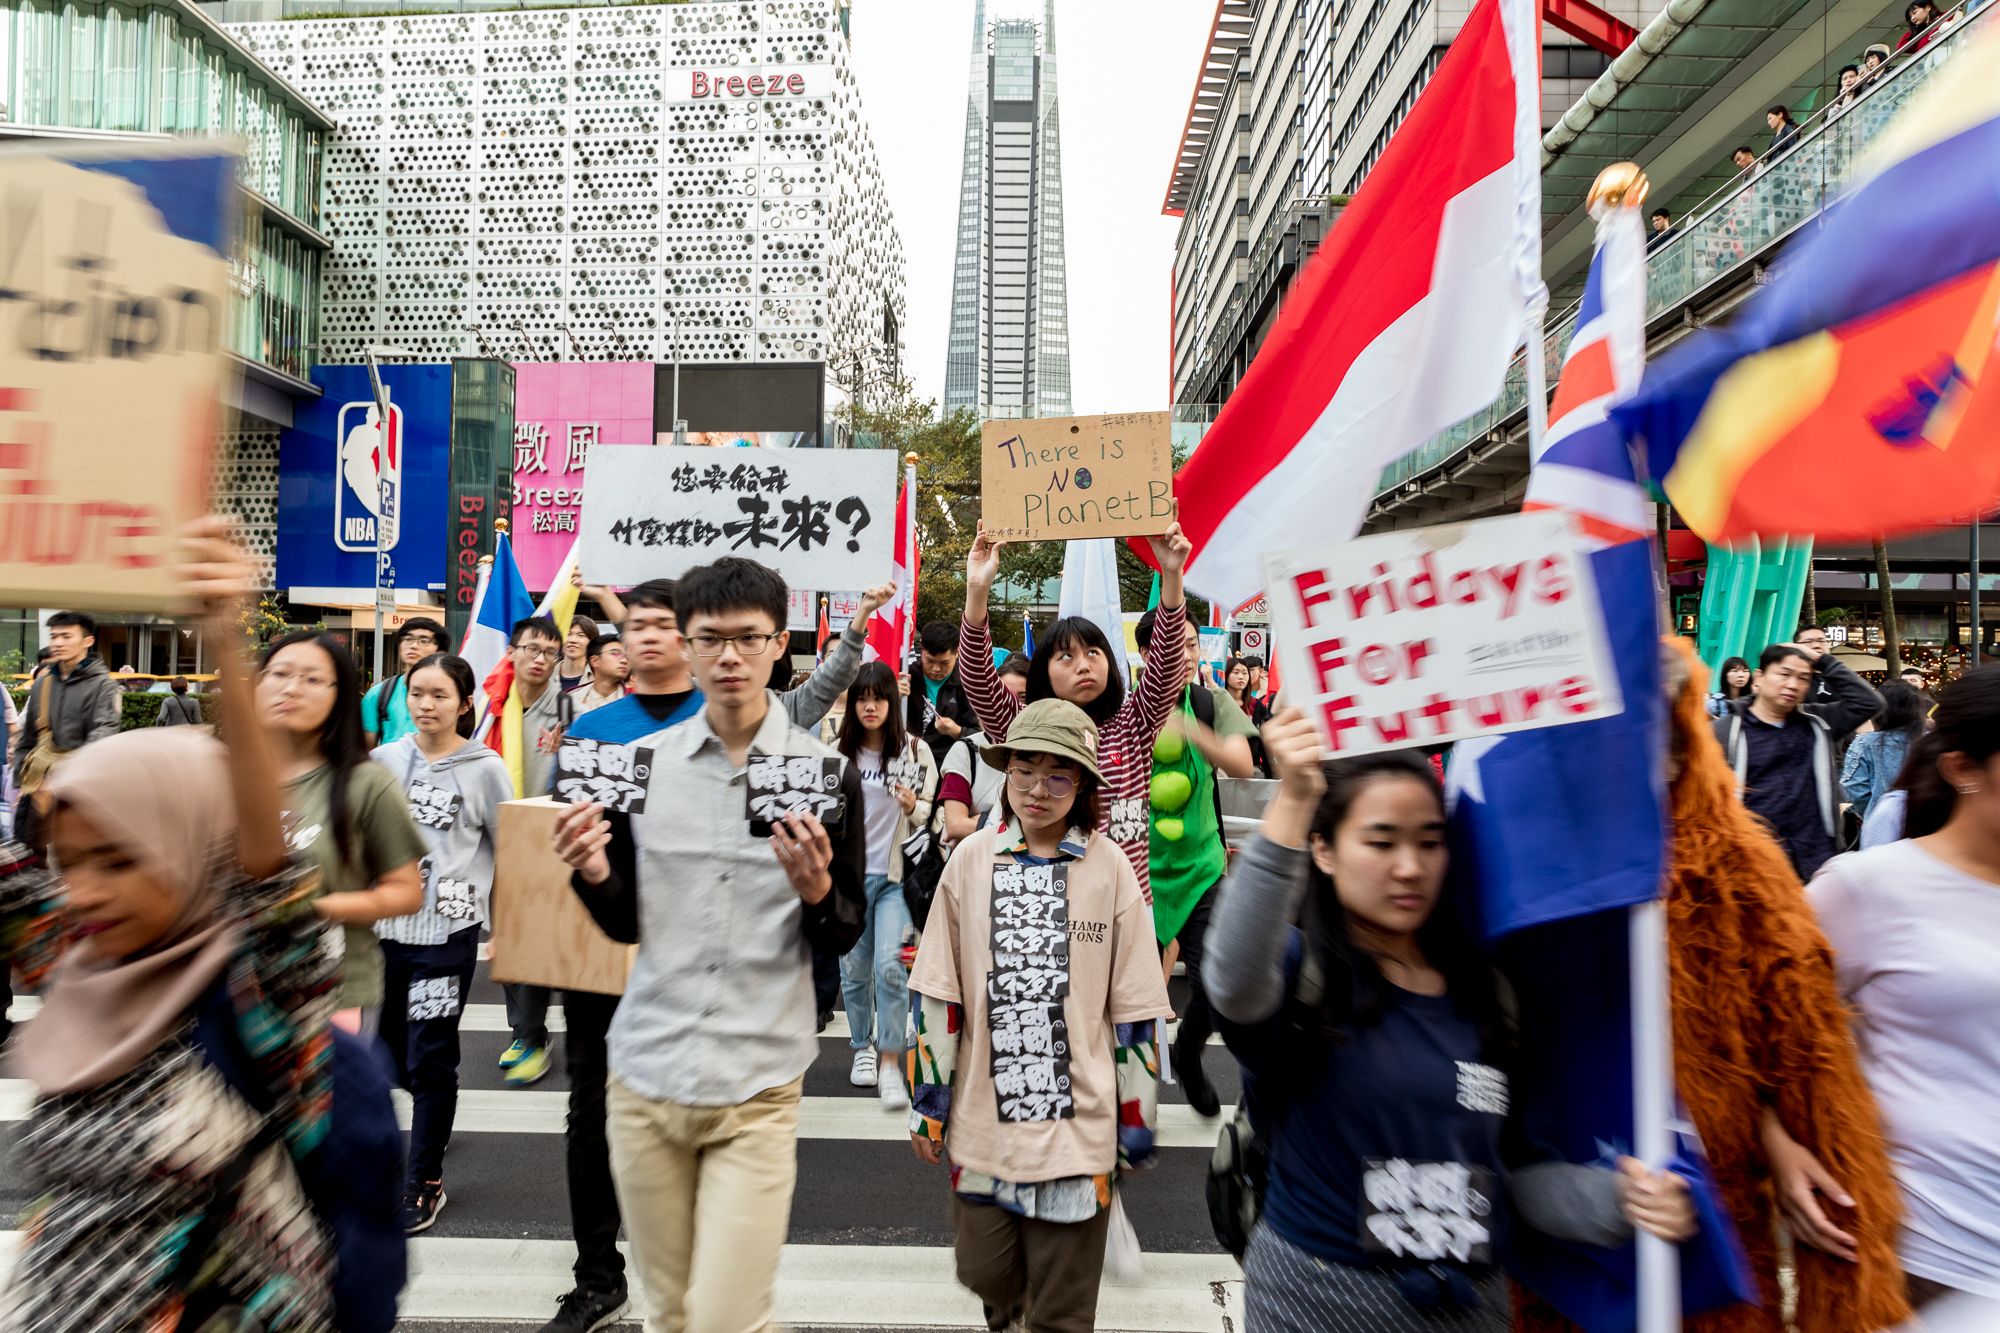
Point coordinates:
[[1059, 478], [542, 935]]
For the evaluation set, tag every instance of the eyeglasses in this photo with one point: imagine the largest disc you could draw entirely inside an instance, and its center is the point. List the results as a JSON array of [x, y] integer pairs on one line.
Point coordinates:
[[750, 645], [539, 654], [1057, 785], [281, 680]]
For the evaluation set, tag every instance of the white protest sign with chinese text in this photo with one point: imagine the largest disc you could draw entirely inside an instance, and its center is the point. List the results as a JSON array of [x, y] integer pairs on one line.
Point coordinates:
[[1439, 634], [823, 518]]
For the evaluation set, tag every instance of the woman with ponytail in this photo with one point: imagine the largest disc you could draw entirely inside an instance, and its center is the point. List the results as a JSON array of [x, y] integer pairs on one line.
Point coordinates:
[[1915, 926]]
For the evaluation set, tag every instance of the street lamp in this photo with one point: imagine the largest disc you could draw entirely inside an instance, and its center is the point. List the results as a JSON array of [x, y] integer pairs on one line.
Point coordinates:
[[385, 582]]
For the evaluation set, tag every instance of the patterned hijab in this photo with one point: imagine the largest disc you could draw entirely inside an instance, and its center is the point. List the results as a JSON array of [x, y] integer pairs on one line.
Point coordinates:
[[163, 796]]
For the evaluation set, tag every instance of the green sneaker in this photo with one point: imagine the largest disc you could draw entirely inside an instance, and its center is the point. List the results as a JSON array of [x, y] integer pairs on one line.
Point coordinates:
[[532, 1067], [513, 1054]]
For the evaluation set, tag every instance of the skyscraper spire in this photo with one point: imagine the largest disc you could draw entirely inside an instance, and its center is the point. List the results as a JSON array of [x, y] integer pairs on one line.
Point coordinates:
[[1008, 354]]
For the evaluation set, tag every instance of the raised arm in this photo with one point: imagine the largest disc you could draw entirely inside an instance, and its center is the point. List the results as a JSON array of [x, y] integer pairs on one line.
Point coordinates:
[[1160, 689], [1244, 970], [215, 577], [806, 705]]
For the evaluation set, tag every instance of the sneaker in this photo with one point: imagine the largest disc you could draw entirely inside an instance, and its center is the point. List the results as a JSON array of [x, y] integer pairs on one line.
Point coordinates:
[[513, 1054], [825, 1016], [532, 1067], [587, 1311], [895, 1097], [422, 1202], [863, 1073]]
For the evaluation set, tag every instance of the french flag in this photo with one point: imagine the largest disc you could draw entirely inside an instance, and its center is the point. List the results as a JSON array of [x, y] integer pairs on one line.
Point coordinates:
[[1402, 324], [502, 600], [1585, 464]]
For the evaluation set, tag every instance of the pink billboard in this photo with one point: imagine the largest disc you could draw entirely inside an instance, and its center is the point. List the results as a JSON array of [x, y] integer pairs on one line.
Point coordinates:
[[562, 409]]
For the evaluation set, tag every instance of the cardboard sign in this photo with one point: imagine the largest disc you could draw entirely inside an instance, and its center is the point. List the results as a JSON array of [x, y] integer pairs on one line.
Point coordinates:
[[1439, 634], [602, 773], [542, 935], [781, 785], [111, 361], [1060, 478], [820, 517]]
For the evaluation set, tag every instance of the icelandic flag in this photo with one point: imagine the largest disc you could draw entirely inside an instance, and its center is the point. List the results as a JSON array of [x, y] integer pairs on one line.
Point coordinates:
[[892, 630], [502, 601], [1401, 325], [1559, 830]]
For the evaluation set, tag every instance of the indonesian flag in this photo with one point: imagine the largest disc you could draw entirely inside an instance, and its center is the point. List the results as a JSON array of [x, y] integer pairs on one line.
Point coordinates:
[[892, 629], [1402, 324], [1585, 464]]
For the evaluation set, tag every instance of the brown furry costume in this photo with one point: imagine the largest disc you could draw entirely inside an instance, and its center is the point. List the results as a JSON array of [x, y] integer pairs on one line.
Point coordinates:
[[1757, 1014]]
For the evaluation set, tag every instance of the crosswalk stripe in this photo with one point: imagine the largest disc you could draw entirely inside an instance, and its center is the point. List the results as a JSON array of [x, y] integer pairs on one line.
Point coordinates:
[[820, 1286]]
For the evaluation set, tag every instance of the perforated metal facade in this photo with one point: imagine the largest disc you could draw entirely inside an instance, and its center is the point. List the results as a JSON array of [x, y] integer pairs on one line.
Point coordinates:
[[562, 184]]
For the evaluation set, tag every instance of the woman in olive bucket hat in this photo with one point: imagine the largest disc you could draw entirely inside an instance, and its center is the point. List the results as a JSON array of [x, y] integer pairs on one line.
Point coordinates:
[[1033, 1001]]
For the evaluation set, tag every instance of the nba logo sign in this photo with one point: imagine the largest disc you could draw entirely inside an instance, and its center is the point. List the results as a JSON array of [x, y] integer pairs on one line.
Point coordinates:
[[369, 480]]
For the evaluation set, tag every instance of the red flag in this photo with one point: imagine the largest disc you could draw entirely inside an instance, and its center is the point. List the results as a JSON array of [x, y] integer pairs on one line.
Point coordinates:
[[825, 631], [1402, 325], [892, 629]]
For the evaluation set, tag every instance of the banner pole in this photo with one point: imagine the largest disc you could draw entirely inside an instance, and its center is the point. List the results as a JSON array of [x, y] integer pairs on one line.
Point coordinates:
[[1659, 1290], [1538, 386]]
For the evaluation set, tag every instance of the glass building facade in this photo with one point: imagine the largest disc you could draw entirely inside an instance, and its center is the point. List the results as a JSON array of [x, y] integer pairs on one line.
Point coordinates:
[[106, 68]]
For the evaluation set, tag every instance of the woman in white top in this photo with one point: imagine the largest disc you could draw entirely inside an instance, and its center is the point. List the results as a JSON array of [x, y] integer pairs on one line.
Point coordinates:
[[898, 783], [1916, 928]]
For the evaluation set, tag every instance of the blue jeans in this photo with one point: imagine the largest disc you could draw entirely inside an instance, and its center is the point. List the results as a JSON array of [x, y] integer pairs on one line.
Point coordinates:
[[872, 978]]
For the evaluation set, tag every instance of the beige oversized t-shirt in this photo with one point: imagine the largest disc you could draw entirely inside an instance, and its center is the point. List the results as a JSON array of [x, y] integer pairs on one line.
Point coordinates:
[[1045, 961]]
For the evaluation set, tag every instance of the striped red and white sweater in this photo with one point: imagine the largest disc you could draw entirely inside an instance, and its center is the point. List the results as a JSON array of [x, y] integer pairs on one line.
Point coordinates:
[[1124, 744]]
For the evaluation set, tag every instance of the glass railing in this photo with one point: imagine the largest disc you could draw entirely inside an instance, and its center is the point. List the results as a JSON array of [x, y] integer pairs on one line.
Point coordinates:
[[1733, 225]]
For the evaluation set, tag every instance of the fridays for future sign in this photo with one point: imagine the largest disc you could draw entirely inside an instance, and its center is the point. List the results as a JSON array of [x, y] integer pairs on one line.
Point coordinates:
[[823, 518], [1440, 634]]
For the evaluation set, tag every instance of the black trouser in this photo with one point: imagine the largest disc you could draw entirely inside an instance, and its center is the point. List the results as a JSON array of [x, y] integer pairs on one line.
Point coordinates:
[[527, 1013], [1197, 1019], [826, 981], [593, 1203], [423, 992]]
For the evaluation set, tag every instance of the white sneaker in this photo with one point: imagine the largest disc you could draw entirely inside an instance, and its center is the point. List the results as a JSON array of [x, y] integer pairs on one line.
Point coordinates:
[[894, 1096], [863, 1073]]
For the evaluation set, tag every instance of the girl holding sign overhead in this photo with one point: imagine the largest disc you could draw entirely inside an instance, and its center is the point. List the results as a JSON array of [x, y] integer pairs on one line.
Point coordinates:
[[455, 786], [898, 783], [1074, 662]]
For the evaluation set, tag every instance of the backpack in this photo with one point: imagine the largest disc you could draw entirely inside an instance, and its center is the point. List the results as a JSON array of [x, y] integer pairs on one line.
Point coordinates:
[[924, 855], [1239, 1169]]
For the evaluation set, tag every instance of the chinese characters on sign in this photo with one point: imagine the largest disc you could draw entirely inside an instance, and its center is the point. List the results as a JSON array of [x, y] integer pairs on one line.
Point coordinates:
[[783, 785], [1030, 977], [434, 807], [613, 776], [820, 518], [531, 455], [1440, 634]]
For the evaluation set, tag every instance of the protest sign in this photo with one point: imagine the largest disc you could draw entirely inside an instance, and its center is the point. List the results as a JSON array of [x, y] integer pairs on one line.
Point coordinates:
[[111, 358], [1060, 478], [603, 773], [781, 785], [1439, 634], [823, 518], [543, 935]]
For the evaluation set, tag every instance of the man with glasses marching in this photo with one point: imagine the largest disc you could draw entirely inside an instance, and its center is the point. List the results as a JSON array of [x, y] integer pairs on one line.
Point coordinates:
[[385, 709], [710, 1044]]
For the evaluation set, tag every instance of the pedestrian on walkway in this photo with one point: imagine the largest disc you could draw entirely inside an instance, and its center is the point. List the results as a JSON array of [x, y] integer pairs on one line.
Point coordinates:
[[1035, 1063], [1074, 662], [938, 711], [1915, 930], [1781, 743], [710, 1044], [180, 1145], [1377, 1052], [1734, 679], [343, 813], [898, 781], [385, 710], [1875, 758], [70, 704], [663, 695], [455, 786], [536, 645], [179, 709], [1206, 739], [573, 672], [605, 684]]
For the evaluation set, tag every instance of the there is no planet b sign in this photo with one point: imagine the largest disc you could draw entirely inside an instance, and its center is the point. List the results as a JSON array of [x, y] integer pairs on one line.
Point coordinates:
[[1058, 478]]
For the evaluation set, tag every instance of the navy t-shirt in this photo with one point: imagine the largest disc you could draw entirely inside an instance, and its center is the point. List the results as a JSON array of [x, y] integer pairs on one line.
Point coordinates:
[[1390, 1152]]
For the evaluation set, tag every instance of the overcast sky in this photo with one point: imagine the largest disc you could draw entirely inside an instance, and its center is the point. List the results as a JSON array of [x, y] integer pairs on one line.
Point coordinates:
[[1125, 74]]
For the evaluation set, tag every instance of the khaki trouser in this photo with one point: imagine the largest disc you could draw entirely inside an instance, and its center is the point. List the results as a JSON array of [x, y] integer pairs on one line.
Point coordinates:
[[707, 1196]]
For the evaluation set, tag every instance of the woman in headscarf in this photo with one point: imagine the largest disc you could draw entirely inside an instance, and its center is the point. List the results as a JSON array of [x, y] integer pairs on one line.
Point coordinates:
[[182, 1055]]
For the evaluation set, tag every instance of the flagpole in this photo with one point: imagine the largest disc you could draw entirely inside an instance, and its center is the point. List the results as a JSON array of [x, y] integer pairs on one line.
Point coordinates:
[[1659, 1291]]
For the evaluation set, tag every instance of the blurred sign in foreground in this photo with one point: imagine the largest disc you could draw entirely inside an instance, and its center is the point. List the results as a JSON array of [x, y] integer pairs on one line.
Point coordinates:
[[1438, 634], [113, 297]]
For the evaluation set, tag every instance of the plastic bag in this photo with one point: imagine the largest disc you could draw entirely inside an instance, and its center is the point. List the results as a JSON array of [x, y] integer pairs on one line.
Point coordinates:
[[1124, 1265]]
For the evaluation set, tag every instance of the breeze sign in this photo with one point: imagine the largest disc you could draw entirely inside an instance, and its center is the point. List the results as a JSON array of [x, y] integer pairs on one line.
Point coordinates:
[[729, 85]]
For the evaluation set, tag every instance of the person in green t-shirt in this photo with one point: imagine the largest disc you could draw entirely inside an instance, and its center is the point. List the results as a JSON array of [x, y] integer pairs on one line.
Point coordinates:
[[343, 812], [1207, 735], [419, 638]]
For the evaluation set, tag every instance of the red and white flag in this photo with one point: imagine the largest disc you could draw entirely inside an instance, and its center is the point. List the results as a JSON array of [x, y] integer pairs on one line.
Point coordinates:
[[1402, 324], [892, 629]]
